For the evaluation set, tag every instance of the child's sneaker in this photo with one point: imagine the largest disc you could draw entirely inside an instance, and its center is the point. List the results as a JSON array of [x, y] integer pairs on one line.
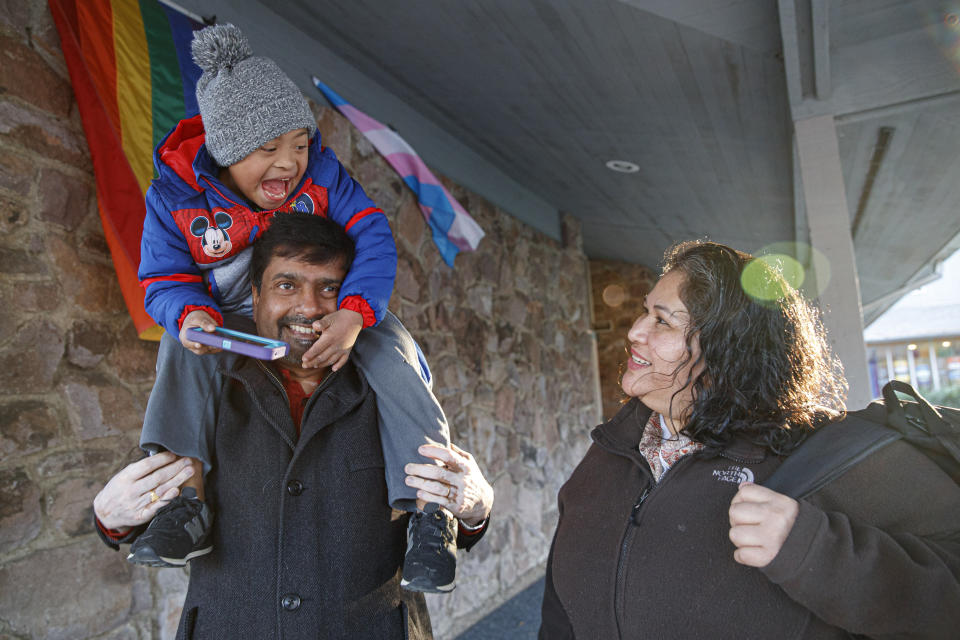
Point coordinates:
[[180, 531], [430, 564]]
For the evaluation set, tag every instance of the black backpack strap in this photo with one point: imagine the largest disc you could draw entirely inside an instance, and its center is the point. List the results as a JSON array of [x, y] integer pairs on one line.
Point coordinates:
[[924, 416], [829, 453]]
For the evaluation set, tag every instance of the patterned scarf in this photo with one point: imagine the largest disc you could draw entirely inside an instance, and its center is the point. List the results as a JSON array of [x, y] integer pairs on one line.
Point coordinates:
[[662, 453]]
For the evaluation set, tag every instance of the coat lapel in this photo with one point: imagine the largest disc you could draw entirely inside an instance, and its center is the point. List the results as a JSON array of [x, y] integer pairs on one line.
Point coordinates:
[[267, 395], [339, 394]]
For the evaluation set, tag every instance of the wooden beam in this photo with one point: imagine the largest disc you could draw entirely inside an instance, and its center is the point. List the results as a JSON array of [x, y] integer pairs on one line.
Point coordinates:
[[897, 108], [884, 135], [791, 51]]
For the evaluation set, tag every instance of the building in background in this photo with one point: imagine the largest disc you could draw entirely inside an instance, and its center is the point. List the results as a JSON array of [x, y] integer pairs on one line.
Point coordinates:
[[918, 339]]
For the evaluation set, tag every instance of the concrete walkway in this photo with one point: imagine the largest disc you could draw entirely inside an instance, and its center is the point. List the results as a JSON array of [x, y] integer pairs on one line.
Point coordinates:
[[516, 619]]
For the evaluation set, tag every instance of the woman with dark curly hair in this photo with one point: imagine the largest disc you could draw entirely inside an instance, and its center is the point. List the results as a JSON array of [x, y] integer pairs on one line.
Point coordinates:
[[665, 529]]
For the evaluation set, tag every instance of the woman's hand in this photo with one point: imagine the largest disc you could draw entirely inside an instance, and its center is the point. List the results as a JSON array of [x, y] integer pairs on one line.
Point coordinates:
[[137, 492], [456, 483], [760, 521], [203, 320]]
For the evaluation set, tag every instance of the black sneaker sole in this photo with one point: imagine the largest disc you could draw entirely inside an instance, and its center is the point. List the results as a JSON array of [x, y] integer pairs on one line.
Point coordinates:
[[148, 557], [426, 587]]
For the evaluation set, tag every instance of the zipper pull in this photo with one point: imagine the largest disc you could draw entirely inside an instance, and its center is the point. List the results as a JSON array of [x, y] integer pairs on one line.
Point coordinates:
[[636, 507]]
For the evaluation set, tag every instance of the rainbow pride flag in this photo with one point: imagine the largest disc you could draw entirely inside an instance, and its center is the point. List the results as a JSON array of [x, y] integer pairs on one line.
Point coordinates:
[[452, 227], [134, 79]]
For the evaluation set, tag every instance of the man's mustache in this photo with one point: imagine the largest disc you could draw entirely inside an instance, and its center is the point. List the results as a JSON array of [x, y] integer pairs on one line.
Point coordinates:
[[300, 319]]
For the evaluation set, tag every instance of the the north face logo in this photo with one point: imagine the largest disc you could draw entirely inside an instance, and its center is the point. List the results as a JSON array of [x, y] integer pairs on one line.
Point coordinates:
[[734, 473]]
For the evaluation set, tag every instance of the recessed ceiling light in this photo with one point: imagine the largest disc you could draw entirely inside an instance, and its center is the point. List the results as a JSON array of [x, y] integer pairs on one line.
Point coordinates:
[[622, 166]]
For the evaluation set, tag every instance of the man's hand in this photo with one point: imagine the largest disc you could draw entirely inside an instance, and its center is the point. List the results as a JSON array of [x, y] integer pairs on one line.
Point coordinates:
[[338, 333], [202, 319], [127, 500], [456, 483], [760, 520]]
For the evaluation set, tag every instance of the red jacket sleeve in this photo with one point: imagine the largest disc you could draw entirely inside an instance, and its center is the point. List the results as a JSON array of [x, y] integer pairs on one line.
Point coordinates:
[[370, 280]]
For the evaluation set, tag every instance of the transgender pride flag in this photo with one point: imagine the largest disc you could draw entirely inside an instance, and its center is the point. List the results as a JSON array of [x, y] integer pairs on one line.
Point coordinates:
[[453, 228]]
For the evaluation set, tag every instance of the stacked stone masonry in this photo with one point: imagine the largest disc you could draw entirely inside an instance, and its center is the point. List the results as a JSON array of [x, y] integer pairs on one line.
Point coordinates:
[[507, 333]]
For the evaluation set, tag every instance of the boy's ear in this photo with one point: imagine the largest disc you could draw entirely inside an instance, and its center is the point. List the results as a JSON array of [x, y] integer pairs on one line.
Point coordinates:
[[255, 294]]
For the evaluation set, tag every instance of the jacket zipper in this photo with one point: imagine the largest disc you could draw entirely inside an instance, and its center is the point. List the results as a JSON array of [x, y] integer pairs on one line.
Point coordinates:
[[634, 521], [631, 522]]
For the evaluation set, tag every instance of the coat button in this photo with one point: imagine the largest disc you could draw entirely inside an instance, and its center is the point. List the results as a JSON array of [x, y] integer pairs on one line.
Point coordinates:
[[290, 602], [294, 487]]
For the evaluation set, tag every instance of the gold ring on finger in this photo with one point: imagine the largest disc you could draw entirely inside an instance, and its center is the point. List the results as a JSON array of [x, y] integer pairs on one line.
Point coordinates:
[[153, 496]]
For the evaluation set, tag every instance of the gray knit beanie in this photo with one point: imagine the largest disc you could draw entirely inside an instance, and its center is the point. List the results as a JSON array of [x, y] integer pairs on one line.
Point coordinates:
[[244, 100]]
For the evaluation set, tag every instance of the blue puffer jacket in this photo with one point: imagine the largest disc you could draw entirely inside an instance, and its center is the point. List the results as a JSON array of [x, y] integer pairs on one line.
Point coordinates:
[[197, 235]]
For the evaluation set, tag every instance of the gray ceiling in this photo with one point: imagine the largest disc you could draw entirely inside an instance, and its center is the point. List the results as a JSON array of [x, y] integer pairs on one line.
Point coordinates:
[[692, 91], [551, 91], [896, 70]]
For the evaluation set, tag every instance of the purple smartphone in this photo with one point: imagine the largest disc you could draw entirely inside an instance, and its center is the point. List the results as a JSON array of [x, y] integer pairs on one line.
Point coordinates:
[[239, 342]]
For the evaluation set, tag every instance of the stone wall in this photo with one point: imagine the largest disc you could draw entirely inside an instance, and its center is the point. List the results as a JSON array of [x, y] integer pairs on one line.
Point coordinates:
[[506, 331], [618, 290]]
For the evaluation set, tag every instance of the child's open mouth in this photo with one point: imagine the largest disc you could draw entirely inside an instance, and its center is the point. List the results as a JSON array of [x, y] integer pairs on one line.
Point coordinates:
[[275, 190]]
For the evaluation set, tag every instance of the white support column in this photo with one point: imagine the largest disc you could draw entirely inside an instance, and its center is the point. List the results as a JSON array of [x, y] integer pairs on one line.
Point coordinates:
[[912, 368], [934, 365], [829, 222], [891, 374]]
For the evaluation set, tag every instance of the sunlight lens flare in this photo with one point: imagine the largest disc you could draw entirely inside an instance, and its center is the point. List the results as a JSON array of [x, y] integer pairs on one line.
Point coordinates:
[[944, 29], [614, 295], [802, 267], [757, 280]]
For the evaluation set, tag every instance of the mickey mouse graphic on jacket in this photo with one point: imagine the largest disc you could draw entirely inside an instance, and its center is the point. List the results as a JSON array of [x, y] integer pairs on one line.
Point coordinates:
[[214, 241]]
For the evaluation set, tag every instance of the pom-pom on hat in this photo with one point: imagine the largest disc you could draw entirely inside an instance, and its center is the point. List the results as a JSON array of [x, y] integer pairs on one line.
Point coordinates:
[[244, 100]]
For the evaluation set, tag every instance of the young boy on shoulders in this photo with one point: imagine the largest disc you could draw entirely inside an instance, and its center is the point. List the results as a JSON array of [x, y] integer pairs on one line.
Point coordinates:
[[252, 152]]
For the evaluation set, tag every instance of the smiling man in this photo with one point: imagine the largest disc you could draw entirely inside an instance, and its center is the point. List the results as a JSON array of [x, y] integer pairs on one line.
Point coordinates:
[[296, 272], [296, 281], [305, 543]]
